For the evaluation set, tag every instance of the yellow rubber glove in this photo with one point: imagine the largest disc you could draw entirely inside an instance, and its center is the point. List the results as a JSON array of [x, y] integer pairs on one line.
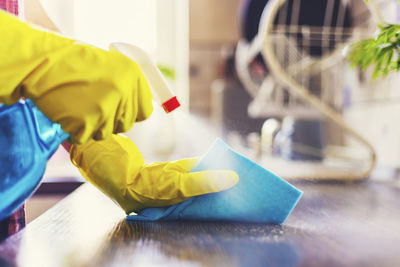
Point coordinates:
[[116, 167], [92, 93]]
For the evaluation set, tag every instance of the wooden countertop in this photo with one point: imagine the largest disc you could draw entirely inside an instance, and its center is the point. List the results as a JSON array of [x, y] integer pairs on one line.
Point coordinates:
[[334, 224]]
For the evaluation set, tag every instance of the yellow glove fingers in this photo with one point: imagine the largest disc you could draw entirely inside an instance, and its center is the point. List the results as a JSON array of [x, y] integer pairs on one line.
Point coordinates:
[[204, 182], [116, 167], [92, 93], [183, 165], [172, 187], [176, 181], [173, 180], [64, 108], [161, 180], [198, 183], [91, 102]]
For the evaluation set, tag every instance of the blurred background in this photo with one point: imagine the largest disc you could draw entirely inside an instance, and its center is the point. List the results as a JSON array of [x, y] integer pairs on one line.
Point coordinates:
[[228, 89]]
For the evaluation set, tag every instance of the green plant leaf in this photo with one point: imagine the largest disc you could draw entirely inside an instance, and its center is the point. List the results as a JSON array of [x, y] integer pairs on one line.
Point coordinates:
[[378, 51]]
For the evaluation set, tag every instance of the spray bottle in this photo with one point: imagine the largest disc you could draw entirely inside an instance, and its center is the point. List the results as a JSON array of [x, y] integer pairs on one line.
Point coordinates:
[[28, 138], [153, 75], [159, 148]]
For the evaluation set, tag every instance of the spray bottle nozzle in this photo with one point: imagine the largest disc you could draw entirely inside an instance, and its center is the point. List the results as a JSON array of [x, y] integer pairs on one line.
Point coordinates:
[[171, 104], [153, 75]]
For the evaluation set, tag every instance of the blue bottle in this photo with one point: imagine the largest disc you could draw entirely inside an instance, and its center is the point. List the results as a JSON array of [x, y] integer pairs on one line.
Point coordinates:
[[27, 140]]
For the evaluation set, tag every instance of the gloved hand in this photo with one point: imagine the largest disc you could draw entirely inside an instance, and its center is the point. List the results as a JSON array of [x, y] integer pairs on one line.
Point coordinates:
[[92, 93], [116, 167]]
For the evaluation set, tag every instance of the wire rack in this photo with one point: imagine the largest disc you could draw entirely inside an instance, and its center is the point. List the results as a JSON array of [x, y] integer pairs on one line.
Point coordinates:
[[306, 79]]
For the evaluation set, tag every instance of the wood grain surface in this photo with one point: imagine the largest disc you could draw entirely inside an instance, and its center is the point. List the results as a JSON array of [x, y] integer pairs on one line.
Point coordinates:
[[334, 224]]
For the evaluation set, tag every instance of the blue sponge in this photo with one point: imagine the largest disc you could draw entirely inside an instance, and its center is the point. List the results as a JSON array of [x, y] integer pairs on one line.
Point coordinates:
[[260, 196]]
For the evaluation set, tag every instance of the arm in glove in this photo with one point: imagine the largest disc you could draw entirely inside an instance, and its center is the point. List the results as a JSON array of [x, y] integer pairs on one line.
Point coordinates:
[[92, 93], [116, 167]]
